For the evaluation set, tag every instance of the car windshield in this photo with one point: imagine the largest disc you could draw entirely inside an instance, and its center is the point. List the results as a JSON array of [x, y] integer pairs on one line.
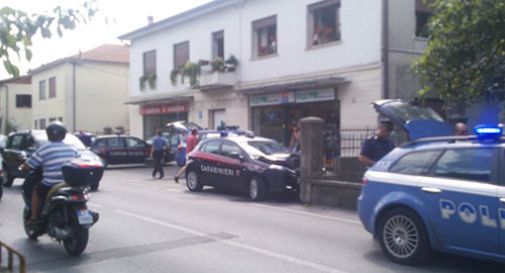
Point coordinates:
[[268, 147], [69, 139]]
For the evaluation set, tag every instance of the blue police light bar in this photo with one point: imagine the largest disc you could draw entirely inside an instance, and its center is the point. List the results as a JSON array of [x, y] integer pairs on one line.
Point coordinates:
[[488, 131]]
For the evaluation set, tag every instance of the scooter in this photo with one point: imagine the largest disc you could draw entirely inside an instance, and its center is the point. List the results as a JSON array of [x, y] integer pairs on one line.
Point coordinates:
[[64, 216]]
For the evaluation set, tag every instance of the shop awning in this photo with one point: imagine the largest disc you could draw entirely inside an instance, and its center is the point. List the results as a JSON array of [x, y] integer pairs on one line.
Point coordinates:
[[160, 99], [296, 85]]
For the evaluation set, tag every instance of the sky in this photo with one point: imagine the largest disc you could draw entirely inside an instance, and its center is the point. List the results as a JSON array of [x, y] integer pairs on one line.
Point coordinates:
[[123, 16]]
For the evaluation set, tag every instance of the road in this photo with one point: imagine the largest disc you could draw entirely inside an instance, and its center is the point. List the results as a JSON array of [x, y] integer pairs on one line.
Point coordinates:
[[150, 225]]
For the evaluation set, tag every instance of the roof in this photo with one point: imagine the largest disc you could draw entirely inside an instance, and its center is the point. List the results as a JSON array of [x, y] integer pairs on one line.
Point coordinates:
[[27, 79], [179, 18], [106, 53]]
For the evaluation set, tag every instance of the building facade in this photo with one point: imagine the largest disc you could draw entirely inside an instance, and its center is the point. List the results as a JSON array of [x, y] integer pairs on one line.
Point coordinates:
[[86, 92], [301, 58], [15, 104]]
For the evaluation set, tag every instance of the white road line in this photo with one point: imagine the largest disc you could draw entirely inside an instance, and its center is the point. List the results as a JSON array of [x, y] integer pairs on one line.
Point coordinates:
[[340, 219], [95, 205], [262, 251]]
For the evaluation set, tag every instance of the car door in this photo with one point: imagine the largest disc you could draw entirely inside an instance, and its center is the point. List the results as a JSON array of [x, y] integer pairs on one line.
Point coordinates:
[[137, 150], [14, 154], [232, 164], [209, 158], [116, 150], [501, 200], [461, 196]]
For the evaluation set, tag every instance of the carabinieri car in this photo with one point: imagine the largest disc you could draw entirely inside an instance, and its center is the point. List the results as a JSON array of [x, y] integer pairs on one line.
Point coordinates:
[[256, 165], [442, 194]]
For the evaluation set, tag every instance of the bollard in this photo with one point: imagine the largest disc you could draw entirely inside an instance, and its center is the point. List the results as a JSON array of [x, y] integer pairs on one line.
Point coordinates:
[[311, 162]]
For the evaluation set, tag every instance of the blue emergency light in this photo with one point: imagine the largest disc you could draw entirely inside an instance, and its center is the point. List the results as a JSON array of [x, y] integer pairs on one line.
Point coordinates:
[[488, 131]]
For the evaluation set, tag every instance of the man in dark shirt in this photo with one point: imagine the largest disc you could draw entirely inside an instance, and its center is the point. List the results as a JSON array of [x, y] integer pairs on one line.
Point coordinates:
[[157, 152], [376, 147]]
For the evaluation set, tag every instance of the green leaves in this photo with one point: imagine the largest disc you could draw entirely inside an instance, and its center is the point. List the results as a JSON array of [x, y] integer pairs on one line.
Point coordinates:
[[17, 29], [466, 50]]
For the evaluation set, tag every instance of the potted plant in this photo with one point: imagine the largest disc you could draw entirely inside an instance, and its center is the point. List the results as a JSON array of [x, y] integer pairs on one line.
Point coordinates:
[[231, 63], [217, 65], [142, 82], [151, 80]]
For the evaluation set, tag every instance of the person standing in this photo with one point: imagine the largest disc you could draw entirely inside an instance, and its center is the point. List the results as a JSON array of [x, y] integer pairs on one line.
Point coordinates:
[[460, 129], [376, 147], [191, 143], [157, 153]]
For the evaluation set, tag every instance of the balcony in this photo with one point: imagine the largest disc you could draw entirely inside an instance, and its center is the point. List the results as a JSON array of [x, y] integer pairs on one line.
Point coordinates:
[[217, 80]]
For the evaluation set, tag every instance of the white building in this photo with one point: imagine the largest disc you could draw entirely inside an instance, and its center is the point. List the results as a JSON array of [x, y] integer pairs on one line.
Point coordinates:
[[87, 91], [15, 104], [295, 58]]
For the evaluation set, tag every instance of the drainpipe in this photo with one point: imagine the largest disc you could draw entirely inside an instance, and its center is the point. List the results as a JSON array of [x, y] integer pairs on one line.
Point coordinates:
[[4, 127], [385, 49]]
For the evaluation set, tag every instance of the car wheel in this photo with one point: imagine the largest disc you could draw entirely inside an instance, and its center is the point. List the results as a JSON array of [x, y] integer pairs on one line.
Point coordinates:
[[193, 181], [403, 237], [94, 187], [257, 189], [7, 178], [1, 191]]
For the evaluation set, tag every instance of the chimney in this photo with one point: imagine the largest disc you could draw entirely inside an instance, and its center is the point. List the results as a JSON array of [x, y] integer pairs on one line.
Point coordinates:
[[150, 20]]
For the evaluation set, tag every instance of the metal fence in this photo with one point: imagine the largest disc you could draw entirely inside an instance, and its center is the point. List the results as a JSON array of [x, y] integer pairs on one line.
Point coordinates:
[[11, 259]]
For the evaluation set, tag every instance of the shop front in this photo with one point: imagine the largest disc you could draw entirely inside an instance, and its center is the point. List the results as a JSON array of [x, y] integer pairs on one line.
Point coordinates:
[[275, 114], [157, 116]]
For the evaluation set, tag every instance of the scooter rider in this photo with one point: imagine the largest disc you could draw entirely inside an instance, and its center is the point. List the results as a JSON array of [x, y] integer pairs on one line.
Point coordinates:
[[50, 156]]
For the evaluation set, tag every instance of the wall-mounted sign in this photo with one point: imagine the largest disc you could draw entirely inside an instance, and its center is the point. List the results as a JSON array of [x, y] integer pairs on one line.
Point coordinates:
[[272, 99], [315, 95], [162, 109]]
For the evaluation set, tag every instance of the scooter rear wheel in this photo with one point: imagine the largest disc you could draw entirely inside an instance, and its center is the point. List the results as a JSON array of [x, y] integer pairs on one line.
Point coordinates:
[[78, 242]]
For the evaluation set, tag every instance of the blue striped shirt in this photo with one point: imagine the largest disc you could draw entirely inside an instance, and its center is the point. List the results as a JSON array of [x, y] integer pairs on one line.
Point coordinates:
[[51, 156]]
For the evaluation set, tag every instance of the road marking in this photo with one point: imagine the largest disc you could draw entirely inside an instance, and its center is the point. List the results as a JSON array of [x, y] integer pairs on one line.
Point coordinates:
[[265, 252], [340, 219]]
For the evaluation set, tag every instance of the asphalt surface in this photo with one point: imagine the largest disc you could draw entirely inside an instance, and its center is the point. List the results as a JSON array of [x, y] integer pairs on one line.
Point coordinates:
[[151, 225]]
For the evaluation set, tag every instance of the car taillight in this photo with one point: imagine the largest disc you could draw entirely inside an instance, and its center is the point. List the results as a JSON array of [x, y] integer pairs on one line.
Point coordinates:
[[79, 197], [364, 181]]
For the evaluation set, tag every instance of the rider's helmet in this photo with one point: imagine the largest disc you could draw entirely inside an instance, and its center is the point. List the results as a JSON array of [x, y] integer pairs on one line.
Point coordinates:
[[56, 131]]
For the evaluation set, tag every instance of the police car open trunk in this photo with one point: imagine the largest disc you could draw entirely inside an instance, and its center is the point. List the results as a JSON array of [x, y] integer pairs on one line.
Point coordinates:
[[418, 122]]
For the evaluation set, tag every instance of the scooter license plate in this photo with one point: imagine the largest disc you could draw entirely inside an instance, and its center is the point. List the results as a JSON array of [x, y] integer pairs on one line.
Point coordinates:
[[84, 217]]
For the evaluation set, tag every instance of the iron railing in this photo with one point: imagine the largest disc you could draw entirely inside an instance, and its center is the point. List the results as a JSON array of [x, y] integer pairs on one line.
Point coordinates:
[[8, 262]]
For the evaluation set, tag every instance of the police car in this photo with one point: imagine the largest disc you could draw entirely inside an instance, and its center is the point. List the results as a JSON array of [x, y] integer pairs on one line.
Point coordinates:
[[439, 194], [258, 166]]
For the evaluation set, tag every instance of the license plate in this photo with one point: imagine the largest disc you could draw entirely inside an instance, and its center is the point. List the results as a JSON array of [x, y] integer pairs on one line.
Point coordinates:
[[84, 217]]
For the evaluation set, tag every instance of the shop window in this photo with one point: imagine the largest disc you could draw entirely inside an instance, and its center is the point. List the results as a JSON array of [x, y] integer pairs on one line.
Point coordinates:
[[265, 37], [52, 87], [423, 15], [218, 45], [181, 54], [23, 101], [150, 63], [324, 26], [42, 90]]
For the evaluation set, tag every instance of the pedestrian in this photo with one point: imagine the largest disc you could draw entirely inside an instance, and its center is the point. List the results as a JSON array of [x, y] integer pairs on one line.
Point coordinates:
[[191, 143], [158, 152], [294, 143], [460, 129], [376, 147]]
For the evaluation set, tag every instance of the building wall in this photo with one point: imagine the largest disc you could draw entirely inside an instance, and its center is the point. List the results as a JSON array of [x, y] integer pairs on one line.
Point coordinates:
[[52, 107], [20, 118], [102, 91], [235, 106], [404, 49], [135, 121]]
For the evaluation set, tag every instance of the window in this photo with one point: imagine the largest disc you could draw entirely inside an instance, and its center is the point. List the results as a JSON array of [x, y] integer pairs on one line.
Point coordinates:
[[101, 143], [150, 63], [466, 164], [42, 90], [324, 25], [265, 36], [135, 143], [423, 15], [115, 142], [218, 45], [229, 148], [212, 147], [181, 54], [24, 101], [42, 123], [52, 87], [415, 163]]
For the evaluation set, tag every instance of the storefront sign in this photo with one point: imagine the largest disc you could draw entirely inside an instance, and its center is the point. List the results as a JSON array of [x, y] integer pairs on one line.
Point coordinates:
[[162, 109], [272, 99], [315, 95]]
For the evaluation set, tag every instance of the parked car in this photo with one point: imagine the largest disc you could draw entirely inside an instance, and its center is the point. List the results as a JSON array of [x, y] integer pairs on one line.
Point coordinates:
[[121, 149], [256, 165], [21, 145]]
